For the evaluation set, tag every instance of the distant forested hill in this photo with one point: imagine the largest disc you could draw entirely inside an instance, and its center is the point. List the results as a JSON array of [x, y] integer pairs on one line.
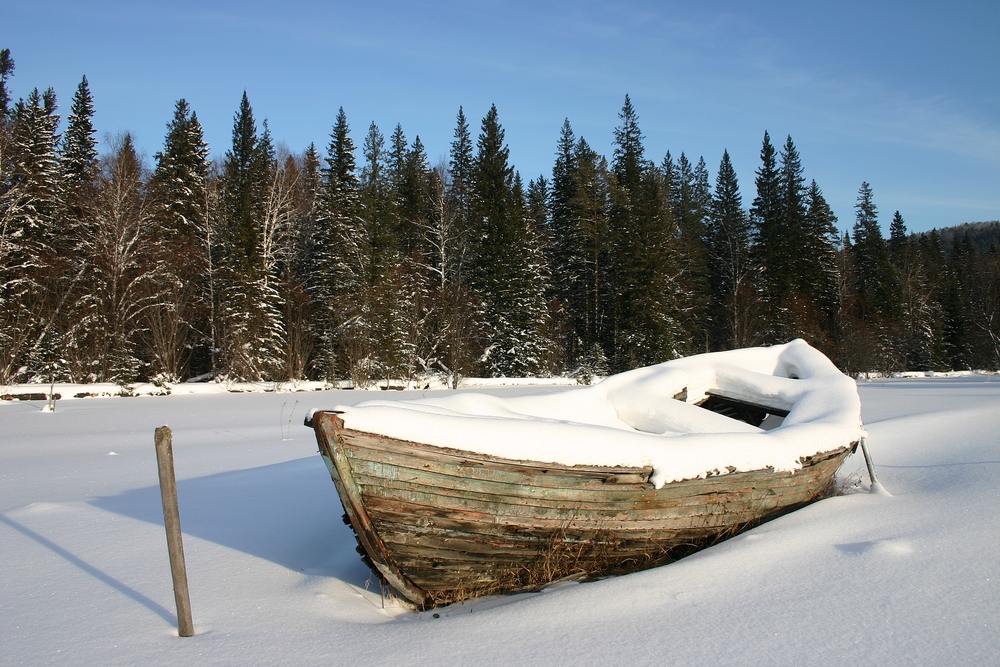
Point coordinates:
[[983, 235]]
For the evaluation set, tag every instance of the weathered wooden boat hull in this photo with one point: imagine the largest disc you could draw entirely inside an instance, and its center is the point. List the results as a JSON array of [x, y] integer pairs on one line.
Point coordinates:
[[443, 525]]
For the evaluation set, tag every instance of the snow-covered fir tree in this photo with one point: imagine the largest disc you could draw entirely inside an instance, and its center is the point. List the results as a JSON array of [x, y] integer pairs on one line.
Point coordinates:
[[179, 327], [507, 263], [337, 276], [251, 336], [648, 292], [731, 266], [37, 282]]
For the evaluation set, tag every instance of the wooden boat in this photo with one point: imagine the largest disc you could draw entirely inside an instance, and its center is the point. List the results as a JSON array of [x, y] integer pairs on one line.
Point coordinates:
[[442, 524]]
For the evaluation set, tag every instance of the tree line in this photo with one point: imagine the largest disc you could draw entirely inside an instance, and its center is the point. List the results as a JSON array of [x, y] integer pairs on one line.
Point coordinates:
[[379, 266]]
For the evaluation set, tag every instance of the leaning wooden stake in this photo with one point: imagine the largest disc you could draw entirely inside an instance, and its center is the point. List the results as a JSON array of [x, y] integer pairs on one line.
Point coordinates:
[[876, 487], [172, 522]]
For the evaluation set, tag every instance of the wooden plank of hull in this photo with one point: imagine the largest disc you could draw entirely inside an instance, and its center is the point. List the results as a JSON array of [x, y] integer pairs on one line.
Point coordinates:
[[442, 525]]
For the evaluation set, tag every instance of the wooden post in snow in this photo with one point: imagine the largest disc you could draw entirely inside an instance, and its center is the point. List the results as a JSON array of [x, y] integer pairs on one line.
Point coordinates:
[[172, 522]]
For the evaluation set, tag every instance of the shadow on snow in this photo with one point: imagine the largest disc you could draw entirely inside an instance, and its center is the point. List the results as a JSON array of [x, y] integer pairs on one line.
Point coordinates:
[[286, 513]]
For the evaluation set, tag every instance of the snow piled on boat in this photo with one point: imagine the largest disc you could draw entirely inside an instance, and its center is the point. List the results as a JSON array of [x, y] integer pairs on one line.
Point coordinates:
[[633, 419]]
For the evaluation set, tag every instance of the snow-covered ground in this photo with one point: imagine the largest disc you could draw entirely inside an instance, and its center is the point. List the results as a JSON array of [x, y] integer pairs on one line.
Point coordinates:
[[906, 579]]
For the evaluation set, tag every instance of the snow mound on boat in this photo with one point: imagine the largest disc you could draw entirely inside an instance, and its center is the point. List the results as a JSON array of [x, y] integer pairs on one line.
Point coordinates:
[[634, 419]]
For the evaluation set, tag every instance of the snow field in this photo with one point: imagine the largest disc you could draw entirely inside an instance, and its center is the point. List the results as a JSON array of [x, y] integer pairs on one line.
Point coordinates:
[[903, 579]]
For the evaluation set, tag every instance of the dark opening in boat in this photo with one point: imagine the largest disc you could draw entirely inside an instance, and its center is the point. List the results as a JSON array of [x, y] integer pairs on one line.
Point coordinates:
[[764, 416]]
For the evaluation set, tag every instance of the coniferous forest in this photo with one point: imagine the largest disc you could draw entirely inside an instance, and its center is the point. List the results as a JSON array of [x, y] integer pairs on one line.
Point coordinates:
[[368, 264]]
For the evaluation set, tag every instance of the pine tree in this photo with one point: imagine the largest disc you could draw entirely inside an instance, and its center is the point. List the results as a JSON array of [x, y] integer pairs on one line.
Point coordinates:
[[765, 216], [897, 237], [561, 249], [507, 269], [78, 226], [6, 71], [79, 155], [37, 284], [252, 339], [11, 247], [731, 264], [179, 328], [459, 190], [414, 199], [690, 198], [877, 284], [593, 247], [819, 269], [379, 333], [337, 273], [919, 307], [649, 297]]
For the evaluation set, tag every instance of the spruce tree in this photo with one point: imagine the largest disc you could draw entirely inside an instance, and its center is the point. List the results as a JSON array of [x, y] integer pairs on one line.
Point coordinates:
[[919, 339], [337, 243], [396, 159], [79, 155], [379, 333], [650, 300], [403, 190], [578, 251], [17, 321], [252, 339], [730, 264], [765, 216], [6, 71], [78, 166], [180, 179], [414, 199], [36, 166], [591, 245], [877, 282], [300, 267], [39, 281], [690, 198], [795, 232], [561, 248], [379, 215], [180, 328], [820, 273], [787, 261], [507, 266], [897, 237], [459, 187]]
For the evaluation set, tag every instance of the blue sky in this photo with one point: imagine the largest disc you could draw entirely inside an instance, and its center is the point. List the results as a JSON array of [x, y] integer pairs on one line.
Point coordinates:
[[904, 95]]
